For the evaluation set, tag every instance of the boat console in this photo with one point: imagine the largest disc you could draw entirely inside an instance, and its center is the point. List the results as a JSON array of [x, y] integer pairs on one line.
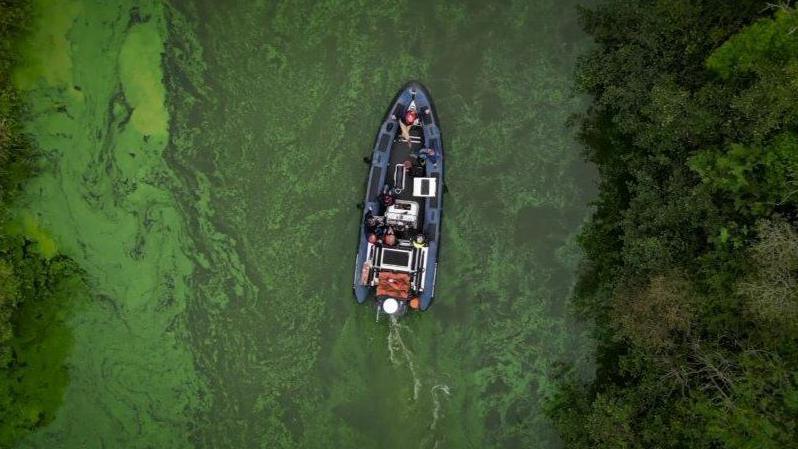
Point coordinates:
[[403, 214]]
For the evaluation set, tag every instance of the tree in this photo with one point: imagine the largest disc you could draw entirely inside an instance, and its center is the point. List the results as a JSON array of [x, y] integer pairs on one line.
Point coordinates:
[[654, 315], [9, 296], [771, 290]]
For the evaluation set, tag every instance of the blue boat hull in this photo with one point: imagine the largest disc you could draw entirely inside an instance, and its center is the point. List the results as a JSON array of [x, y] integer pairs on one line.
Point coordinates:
[[385, 146]]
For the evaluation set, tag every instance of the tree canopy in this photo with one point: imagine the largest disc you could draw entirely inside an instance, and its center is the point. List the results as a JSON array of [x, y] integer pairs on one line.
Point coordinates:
[[691, 256]]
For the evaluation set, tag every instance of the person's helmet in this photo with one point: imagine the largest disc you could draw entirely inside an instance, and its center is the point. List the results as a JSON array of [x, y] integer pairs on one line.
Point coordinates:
[[410, 117]]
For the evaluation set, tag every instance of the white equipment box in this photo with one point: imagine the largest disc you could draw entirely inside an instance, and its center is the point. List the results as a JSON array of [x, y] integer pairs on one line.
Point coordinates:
[[402, 213], [425, 187]]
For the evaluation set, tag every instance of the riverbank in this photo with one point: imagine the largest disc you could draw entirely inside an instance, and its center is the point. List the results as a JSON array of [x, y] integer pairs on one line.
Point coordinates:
[[692, 253], [36, 283]]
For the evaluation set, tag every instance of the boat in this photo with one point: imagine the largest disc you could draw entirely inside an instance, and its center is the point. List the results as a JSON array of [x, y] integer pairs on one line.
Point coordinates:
[[400, 230]]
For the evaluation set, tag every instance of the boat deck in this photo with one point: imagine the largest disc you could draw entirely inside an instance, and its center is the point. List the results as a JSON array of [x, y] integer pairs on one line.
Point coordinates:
[[401, 152]]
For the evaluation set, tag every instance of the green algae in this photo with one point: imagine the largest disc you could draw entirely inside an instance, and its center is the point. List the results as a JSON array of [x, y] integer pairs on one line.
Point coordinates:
[[48, 49], [271, 116], [211, 201], [103, 196], [140, 74], [28, 225]]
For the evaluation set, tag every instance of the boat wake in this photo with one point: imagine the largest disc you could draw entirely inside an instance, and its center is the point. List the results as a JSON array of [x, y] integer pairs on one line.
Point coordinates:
[[400, 354], [397, 348], [436, 391]]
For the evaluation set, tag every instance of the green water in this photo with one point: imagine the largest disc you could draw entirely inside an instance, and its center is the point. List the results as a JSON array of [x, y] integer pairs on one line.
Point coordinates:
[[202, 162]]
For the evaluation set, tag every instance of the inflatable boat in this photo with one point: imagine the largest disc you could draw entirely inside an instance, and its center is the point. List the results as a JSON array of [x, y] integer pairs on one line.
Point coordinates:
[[400, 231]]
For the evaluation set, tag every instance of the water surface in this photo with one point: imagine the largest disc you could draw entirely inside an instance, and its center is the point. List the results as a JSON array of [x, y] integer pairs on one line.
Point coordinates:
[[202, 162]]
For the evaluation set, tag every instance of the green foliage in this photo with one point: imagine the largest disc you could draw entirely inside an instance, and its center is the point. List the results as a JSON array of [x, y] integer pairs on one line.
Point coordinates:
[[764, 45], [12, 145], [692, 253], [9, 297], [755, 179], [33, 374], [763, 413], [609, 421], [34, 338], [760, 63], [15, 149]]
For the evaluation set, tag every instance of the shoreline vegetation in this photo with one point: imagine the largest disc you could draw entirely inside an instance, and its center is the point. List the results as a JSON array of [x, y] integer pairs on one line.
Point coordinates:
[[691, 268], [35, 282]]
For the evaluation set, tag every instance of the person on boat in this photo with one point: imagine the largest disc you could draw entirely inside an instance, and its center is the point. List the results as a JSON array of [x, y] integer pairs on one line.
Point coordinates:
[[406, 123], [372, 238], [371, 221], [385, 197], [428, 154], [410, 117], [380, 231], [389, 239], [419, 241]]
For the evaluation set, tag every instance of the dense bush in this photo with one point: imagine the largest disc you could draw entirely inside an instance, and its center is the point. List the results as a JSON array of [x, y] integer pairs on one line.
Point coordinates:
[[32, 287], [692, 254], [14, 148]]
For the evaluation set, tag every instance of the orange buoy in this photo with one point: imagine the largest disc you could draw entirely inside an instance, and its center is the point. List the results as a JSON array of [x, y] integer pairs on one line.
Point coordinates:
[[415, 303]]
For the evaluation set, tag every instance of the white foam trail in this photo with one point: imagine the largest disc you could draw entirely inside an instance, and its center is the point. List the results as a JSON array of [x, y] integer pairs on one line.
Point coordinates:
[[436, 403], [397, 346], [430, 440]]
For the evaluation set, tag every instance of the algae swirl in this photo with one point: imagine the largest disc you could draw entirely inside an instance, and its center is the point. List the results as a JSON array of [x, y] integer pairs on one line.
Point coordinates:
[[93, 75]]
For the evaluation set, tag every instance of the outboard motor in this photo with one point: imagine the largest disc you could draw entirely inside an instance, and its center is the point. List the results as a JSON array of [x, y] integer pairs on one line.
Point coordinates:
[[392, 307]]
